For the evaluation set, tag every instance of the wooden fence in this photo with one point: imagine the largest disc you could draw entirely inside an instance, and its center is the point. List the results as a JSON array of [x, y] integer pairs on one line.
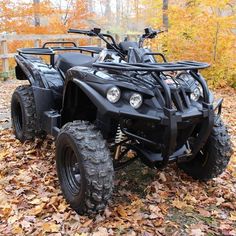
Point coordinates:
[[38, 40]]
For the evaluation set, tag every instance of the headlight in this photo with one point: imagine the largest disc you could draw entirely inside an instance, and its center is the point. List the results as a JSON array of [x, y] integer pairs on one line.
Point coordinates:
[[113, 94], [196, 93], [136, 100]]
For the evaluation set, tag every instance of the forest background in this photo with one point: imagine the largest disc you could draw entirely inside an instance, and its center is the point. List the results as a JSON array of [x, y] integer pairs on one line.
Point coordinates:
[[201, 30]]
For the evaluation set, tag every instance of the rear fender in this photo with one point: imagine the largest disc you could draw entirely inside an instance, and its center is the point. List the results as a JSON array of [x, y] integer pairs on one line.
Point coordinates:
[[25, 70]]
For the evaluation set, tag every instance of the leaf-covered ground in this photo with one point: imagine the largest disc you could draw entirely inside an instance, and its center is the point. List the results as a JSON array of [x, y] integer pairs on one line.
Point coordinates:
[[145, 201]]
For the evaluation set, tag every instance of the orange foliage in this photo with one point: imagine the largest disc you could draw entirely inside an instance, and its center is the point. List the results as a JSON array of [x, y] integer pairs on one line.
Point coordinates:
[[19, 17], [200, 30]]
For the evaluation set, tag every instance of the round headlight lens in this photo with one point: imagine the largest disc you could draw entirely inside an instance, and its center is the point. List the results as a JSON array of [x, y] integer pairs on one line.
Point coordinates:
[[136, 100], [113, 94], [195, 95]]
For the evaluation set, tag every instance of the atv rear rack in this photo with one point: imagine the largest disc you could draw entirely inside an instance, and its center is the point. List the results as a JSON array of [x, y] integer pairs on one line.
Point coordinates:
[[51, 51], [153, 67]]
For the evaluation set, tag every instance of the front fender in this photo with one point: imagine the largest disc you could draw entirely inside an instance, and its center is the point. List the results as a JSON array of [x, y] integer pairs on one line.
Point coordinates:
[[104, 107], [98, 100]]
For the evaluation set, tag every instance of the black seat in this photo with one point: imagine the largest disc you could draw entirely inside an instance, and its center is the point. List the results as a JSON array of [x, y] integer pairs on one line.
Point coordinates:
[[68, 60]]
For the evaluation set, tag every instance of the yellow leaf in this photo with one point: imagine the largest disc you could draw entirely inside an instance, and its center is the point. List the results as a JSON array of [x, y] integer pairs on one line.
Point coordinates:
[[30, 151], [50, 227], [190, 198], [233, 216], [37, 210], [36, 201], [179, 204], [121, 211], [17, 230], [62, 207], [87, 223], [3, 153]]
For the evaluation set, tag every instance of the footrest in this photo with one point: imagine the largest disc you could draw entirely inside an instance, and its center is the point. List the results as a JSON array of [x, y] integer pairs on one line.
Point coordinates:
[[51, 122]]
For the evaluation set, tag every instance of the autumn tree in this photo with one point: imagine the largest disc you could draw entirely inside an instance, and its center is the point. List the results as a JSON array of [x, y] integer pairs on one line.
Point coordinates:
[[200, 30], [42, 17]]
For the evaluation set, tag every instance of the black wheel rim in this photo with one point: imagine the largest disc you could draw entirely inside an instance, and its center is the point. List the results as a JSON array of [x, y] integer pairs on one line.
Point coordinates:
[[72, 170], [202, 156], [18, 120]]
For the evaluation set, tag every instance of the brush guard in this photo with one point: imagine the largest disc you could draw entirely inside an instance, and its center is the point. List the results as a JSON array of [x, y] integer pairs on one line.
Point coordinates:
[[171, 118]]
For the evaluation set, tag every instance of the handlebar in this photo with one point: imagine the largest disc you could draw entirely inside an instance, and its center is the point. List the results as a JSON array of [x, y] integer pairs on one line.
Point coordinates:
[[97, 32], [86, 32], [149, 34]]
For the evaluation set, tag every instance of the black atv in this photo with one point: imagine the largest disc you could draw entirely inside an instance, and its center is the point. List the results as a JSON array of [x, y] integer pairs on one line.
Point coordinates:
[[115, 105]]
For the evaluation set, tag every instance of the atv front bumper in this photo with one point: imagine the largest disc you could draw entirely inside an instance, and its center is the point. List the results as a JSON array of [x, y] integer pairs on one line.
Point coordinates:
[[167, 117]]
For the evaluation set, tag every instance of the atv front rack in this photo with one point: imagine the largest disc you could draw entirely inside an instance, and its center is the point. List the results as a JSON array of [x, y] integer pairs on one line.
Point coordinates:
[[153, 67]]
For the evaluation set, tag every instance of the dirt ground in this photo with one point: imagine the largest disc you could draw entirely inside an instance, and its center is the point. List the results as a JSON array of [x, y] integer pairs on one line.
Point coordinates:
[[145, 201]]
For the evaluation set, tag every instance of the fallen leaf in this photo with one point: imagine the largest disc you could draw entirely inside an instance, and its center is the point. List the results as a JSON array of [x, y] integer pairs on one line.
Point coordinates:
[[196, 232], [233, 216], [190, 198], [26, 224], [179, 204], [162, 177], [12, 219], [3, 153], [87, 223], [17, 230], [37, 209], [101, 232], [50, 227], [62, 207], [219, 200], [204, 212], [121, 211], [36, 201]]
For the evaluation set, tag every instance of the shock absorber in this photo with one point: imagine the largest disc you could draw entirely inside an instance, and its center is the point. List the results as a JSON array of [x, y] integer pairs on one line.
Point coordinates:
[[120, 136]]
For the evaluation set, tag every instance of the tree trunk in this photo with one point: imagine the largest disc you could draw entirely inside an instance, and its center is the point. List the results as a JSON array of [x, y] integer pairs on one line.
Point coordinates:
[[108, 9], [36, 13], [118, 12], [90, 5], [165, 19]]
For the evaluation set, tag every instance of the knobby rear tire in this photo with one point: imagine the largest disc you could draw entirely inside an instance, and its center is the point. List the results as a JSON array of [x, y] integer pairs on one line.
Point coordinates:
[[23, 113]]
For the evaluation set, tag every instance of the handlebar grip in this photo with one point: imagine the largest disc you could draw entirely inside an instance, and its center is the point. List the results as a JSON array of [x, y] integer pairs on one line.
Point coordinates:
[[86, 32], [78, 31]]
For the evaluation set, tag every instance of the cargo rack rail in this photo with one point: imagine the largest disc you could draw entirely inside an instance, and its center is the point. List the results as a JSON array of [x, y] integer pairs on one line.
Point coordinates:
[[153, 67], [51, 51]]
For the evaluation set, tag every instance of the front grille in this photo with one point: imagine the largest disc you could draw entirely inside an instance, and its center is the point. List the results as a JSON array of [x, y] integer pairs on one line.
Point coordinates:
[[180, 99]]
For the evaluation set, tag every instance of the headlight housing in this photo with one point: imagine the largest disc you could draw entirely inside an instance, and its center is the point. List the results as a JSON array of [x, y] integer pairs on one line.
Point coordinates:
[[196, 89], [113, 94], [136, 100], [185, 78]]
